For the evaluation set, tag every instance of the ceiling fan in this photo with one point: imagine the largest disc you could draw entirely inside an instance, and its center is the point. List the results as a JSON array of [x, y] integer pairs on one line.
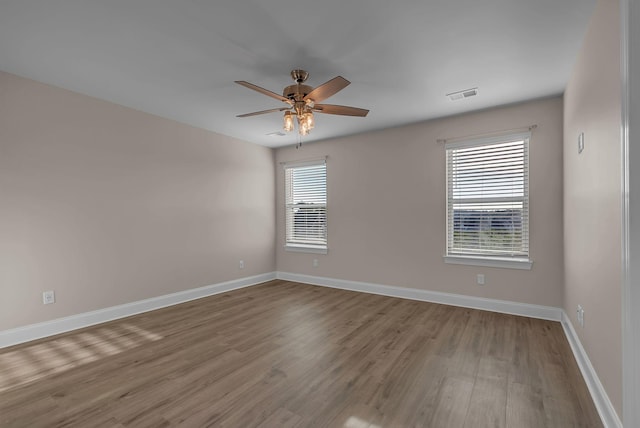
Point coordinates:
[[303, 101]]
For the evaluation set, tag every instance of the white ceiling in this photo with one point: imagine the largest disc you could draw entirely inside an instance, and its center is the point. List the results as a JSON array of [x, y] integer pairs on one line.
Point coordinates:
[[179, 58]]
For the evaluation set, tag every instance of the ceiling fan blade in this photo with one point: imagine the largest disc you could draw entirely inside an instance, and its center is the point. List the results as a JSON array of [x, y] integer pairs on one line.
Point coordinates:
[[263, 91], [341, 110], [327, 89], [255, 113]]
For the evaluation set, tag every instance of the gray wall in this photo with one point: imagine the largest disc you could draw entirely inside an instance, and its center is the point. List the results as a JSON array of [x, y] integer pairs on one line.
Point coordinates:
[[107, 205], [592, 197], [386, 204]]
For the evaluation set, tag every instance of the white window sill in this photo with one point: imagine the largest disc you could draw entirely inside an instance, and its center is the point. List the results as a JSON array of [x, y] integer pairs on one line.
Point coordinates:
[[306, 249], [506, 263]]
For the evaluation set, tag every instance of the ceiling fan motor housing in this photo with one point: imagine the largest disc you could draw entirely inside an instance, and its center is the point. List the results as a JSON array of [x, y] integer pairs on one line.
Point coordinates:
[[296, 92]]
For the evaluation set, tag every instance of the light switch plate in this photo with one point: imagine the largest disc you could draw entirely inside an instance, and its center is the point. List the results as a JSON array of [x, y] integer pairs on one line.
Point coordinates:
[[580, 142]]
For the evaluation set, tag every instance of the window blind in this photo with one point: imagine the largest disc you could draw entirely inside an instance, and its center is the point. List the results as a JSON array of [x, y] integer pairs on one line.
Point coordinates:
[[488, 198], [306, 205]]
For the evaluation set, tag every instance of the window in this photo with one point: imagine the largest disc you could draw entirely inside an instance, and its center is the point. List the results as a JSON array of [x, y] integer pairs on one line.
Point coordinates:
[[306, 206], [488, 202]]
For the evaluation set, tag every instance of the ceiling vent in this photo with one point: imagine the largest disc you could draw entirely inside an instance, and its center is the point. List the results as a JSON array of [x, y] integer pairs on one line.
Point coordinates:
[[466, 93]]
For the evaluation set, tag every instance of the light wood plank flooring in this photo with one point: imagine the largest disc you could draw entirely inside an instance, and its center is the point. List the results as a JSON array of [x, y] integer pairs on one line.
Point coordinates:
[[283, 354]]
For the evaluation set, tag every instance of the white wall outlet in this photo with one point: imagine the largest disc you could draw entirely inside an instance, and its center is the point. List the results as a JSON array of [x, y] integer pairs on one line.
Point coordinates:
[[580, 315], [48, 297], [480, 279], [241, 264], [315, 262]]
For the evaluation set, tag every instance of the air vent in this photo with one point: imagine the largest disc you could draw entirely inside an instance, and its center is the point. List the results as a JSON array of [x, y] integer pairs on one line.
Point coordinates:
[[465, 93], [276, 134]]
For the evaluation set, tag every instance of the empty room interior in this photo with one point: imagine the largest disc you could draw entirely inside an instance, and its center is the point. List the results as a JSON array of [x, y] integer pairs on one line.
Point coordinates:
[[317, 214]]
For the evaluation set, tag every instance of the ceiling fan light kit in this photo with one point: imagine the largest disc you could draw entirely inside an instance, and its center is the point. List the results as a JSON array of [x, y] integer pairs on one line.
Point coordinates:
[[288, 121], [303, 101]]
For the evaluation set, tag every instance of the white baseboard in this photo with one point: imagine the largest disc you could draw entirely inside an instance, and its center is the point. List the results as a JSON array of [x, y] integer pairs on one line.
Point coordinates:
[[62, 325], [502, 306], [608, 414]]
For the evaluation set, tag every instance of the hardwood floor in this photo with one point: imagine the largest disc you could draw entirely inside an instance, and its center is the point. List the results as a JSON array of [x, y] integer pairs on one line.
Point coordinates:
[[283, 354]]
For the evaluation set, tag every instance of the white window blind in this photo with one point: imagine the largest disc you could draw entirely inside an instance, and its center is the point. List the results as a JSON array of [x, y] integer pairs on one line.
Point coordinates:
[[306, 205], [488, 197]]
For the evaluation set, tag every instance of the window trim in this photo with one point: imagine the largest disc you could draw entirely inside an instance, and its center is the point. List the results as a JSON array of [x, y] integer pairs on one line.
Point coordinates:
[[497, 262], [300, 248], [487, 260], [304, 248]]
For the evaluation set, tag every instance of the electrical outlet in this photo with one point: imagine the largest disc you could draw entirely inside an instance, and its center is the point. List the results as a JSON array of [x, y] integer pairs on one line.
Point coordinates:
[[480, 279], [315, 262], [48, 297], [241, 264]]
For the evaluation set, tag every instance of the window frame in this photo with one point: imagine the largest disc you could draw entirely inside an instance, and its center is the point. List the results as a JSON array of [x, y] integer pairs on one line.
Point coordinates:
[[321, 248], [487, 259]]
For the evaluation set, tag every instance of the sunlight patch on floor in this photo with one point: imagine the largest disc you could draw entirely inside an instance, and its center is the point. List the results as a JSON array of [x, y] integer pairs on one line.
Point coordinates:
[[354, 422], [29, 363]]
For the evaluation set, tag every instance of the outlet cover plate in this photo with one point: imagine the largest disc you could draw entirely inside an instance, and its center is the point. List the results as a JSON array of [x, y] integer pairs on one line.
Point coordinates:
[[48, 297]]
